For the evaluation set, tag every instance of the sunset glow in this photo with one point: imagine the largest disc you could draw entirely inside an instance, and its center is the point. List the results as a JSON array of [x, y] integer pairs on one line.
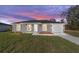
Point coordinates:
[[36, 16], [15, 13]]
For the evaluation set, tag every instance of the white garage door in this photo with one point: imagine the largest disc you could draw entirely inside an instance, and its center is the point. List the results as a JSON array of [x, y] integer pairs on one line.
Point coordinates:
[[58, 28]]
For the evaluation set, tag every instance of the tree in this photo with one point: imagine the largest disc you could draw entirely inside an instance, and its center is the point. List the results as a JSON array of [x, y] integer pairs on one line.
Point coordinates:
[[73, 17], [62, 20], [53, 20]]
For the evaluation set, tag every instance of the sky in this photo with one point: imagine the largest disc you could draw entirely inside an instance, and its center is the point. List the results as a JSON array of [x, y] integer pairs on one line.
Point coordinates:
[[15, 13]]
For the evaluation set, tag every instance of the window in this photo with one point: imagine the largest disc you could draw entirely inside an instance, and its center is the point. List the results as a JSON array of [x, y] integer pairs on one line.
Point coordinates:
[[29, 27], [18, 27]]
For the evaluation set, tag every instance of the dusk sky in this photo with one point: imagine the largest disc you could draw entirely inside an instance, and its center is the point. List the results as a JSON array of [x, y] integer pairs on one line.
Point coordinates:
[[13, 13]]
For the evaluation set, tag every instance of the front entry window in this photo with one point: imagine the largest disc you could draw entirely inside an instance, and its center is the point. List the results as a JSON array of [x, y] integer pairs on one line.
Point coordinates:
[[29, 27]]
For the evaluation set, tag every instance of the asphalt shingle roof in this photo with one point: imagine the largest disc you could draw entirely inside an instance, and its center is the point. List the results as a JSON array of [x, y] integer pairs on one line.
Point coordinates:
[[38, 21]]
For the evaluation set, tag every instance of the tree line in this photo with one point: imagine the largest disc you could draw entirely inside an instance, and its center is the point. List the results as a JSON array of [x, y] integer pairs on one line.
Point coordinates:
[[72, 16]]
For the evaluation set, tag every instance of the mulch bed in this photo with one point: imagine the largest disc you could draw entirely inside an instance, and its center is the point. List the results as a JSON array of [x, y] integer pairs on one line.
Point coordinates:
[[45, 33]]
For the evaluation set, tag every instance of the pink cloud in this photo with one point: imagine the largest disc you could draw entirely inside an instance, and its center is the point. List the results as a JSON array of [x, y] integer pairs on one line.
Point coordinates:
[[37, 15]]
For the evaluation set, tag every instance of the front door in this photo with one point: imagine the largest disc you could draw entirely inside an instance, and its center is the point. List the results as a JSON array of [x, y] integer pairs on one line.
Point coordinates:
[[44, 27]]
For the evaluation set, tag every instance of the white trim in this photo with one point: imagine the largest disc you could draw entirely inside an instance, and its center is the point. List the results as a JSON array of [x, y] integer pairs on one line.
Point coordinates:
[[35, 27]]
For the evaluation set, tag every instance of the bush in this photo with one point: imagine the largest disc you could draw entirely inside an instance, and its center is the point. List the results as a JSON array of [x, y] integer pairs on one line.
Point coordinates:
[[71, 27]]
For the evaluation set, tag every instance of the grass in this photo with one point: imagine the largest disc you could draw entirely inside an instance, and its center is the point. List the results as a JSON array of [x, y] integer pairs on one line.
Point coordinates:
[[18, 42], [73, 32]]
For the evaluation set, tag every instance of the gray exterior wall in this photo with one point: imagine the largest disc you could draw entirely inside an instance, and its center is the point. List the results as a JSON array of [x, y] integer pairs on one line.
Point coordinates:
[[23, 28], [39, 27], [49, 28], [13, 27]]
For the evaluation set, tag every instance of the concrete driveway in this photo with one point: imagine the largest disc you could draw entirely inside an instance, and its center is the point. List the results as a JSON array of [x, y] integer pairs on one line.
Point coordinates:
[[70, 38]]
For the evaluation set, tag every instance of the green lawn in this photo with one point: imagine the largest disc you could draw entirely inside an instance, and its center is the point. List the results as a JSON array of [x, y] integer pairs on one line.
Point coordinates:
[[16, 42], [73, 32]]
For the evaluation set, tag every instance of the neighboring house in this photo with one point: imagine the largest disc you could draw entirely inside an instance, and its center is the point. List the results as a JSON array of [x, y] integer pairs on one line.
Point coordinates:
[[4, 27], [38, 27]]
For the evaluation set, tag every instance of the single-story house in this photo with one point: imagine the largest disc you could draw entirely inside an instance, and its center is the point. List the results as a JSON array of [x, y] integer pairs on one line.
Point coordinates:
[[38, 27]]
